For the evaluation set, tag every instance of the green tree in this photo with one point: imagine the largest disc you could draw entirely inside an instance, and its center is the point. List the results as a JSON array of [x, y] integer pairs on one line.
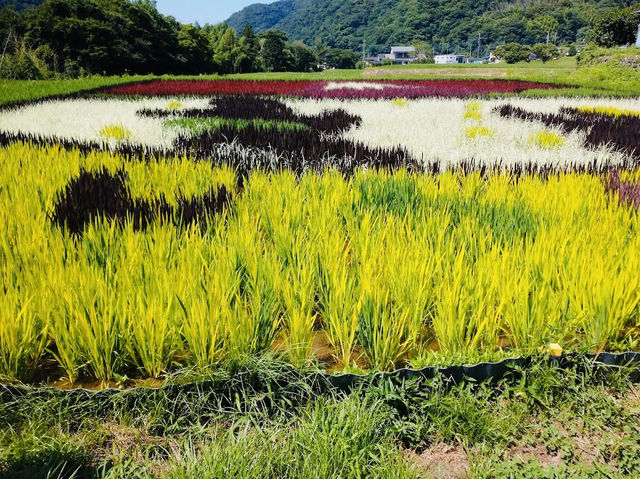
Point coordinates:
[[304, 59], [512, 53], [194, 50], [342, 59], [618, 27], [274, 53], [225, 51], [545, 51], [248, 61]]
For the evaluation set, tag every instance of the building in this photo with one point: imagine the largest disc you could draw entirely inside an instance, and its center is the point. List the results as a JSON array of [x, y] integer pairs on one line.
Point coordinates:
[[402, 55], [398, 56], [449, 59]]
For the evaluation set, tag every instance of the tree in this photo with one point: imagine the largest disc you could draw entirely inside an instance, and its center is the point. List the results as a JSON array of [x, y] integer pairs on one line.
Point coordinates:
[[225, 50], [544, 26], [545, 51], [274, 52], [513, 53], [342, 59], [194, 49], [304, 59], [618, 27], [247, 61]]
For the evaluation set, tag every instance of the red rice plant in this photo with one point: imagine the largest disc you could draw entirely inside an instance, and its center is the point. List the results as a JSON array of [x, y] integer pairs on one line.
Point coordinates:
[[318, 89]]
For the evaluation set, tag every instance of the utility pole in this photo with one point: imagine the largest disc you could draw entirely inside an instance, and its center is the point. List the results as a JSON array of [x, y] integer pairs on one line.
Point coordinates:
[[364, 50], [638, 39], [4, 50], [479, 39]]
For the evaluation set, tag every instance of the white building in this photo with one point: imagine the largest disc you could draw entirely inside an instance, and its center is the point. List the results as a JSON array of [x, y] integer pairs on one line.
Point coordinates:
[[449, 59], [398, 56]]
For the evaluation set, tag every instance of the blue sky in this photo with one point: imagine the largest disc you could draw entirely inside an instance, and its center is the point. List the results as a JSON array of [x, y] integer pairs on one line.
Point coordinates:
[[203, 11]]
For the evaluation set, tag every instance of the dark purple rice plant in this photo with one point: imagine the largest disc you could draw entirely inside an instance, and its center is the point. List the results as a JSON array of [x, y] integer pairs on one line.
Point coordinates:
[[102, 194], [628, 192]]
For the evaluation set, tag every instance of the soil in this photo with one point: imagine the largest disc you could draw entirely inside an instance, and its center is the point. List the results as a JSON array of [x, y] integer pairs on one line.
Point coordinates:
[[444, 461]]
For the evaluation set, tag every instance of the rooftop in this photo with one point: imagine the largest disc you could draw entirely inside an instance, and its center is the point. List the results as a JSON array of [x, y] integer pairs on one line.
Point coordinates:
[[402, 49]]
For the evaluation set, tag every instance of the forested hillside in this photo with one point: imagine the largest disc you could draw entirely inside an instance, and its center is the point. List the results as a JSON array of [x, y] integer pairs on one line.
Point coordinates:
[[444, 23], [20, 4]]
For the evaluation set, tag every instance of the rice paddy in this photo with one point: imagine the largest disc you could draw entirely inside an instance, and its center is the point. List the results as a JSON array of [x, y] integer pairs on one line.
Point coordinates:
[[353, 226]]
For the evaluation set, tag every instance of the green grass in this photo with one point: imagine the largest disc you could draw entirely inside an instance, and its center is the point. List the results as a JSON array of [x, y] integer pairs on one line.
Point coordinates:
[[198, 125], [23, 90], [264, 419]]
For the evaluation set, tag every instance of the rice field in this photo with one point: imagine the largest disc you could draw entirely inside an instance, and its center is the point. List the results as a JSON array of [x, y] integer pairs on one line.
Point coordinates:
[[355, 226]]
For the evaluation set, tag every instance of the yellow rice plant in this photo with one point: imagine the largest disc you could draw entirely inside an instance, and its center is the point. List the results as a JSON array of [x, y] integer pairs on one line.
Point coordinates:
[[339, 296], [23, 337], [546, 140], [609, 110], [298, 289], [476, 132], [116, 133], [455, 262]]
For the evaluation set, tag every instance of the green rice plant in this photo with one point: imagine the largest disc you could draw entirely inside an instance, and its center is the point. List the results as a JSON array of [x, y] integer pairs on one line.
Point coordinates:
[[535, 316], [152, 314], [200, 125], [256, 313], [410, 266], [606, 303], [88, 333], [469, 308]]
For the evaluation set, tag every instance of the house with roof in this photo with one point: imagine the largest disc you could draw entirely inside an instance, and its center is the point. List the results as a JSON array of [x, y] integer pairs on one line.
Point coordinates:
[[402, 55], [399, 56]]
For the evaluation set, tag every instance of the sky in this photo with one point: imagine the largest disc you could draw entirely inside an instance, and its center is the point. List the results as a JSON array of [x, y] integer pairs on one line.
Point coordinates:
[[203, 11]]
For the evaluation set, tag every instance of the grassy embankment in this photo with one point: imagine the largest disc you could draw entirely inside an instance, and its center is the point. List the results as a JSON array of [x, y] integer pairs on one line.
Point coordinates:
[[264, 420]]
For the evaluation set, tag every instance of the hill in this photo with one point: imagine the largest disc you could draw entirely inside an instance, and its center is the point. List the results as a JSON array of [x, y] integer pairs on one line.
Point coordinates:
[[20, 4], [446, 24]]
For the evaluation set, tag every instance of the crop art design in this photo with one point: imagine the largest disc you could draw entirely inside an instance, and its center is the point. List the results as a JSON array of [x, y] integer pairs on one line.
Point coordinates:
[[313, 126]]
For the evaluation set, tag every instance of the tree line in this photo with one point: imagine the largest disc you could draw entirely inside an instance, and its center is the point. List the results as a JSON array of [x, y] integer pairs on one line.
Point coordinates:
[[70, 38]]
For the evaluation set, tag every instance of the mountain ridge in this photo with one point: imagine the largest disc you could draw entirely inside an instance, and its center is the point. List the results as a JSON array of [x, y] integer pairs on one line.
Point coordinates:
[[381, 23]]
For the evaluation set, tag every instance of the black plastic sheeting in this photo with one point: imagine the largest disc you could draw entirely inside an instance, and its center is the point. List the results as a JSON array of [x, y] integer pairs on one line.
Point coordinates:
[[452, 375]]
